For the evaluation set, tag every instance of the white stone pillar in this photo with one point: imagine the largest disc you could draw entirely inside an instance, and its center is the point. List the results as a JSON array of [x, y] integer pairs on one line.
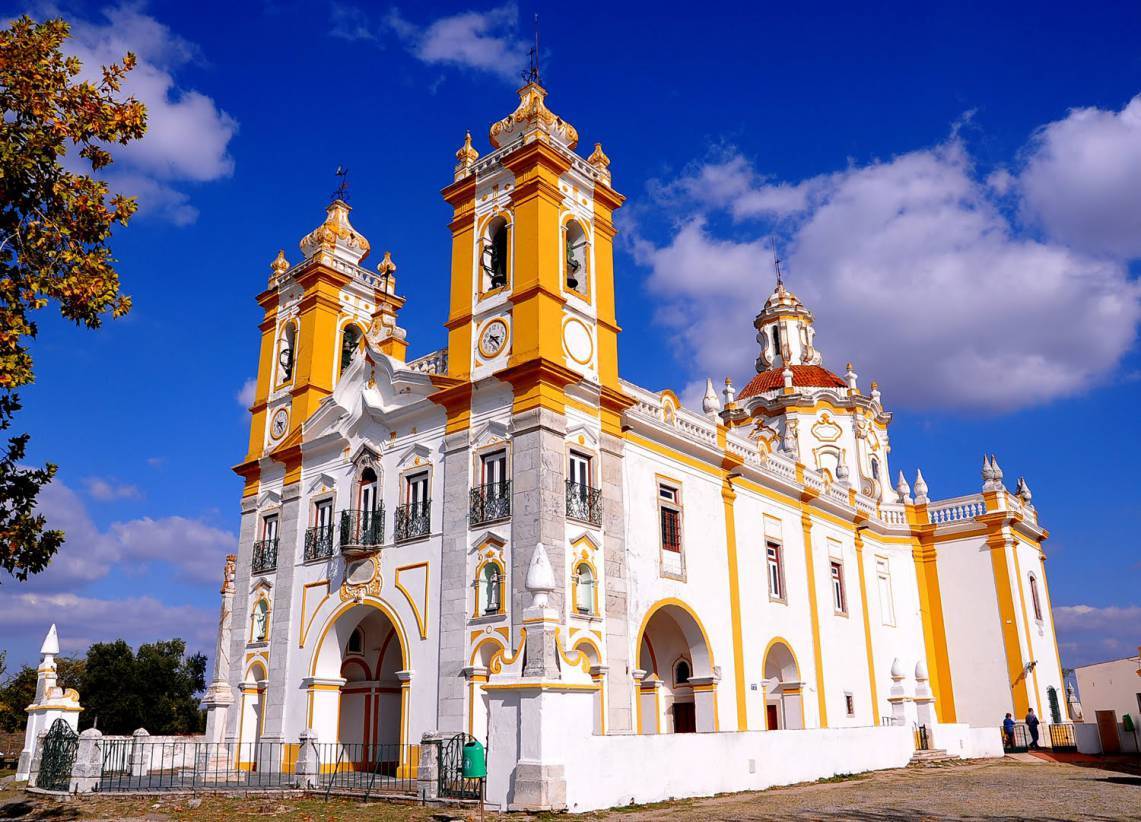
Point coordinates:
[[308, 765], [219, 695], [140, 753], [704, 703], [88, 766], [51, 703], [902, 708], [924, 700]]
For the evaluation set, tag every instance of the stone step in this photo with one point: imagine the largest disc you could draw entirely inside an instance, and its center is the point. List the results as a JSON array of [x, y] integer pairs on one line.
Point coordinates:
[[931, 757]]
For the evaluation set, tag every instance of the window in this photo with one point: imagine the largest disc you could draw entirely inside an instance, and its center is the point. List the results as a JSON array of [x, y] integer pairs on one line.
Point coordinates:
[[490, 583], [416, 489], [776, 340], [584, 590], [350, 340], [494, 256], [839, 598], [883, 589], [575, 257], [669, 512], [269, 528], [681, 672], [1034, 598], [367, 495], [494, 468], [356, 642], [775, 555], [323, 514], [285, 353], [849, 704], [579, 473], [875, 468]]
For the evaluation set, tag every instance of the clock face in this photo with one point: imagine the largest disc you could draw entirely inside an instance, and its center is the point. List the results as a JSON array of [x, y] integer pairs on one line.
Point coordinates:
[[280, 424], [493, 338]]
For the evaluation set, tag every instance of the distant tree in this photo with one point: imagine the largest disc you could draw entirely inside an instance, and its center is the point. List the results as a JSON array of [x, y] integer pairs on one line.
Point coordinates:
[[55, 223], [19, 690], [156, 689]]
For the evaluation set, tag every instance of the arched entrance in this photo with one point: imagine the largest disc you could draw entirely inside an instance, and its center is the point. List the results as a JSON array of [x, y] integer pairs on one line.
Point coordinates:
[[782, 686], [358, 691], [251, 716], [675, 686]]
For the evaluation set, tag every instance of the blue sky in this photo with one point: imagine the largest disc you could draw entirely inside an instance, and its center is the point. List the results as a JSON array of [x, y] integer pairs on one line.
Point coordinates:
[[957, 193]]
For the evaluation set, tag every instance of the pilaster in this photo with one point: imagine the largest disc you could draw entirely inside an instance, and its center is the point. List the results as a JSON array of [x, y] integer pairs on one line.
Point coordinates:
[[247, 533], [454, 582], [291, 524], [619, 691]]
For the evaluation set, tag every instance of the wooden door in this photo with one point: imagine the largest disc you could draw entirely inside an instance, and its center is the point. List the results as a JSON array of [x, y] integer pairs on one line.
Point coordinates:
[[1107, 730], [685, 718], [771, 717]]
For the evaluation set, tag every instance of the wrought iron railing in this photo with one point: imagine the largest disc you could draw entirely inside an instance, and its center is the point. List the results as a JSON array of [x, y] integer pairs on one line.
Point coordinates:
[[265, 556], [413, 520], [319, 542], [922, 740], [1062, 737], [362, 529], [1018, 740], [374, 769], [181, 765], [584, 503], [490, 502]]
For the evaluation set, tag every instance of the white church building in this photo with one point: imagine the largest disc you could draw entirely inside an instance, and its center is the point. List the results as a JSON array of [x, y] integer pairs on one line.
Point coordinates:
[[505, 538]]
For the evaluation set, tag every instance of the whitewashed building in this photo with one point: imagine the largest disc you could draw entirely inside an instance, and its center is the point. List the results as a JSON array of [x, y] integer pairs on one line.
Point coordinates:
[[506, 538]]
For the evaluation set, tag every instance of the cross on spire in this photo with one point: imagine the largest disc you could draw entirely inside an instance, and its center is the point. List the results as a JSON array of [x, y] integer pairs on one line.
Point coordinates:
[[532, 73], [776, 262], [342, 191]]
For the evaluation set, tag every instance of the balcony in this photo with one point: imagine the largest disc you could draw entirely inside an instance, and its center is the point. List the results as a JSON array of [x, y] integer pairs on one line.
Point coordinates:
[[413, 520], [319, 543], [362, 532], [490, 503], [265, 556], [584, 503]]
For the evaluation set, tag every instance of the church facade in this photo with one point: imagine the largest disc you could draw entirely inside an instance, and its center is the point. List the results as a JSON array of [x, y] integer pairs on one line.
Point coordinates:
[[426, 544]]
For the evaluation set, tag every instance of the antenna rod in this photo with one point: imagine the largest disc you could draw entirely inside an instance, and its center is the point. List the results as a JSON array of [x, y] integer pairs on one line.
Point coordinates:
[[776, 260], [535, 69]]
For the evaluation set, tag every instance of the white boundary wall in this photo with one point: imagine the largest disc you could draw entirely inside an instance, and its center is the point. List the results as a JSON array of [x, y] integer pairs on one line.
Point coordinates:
[[605, 771]]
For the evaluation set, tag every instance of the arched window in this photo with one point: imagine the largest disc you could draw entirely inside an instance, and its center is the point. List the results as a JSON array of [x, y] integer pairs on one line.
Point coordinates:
[[493, 258], [1055, 707], [285, 353], [259, 627], [356, 642], [681, 672], [575, 257], [1034, 598], [875, 468], [584, 590], [350, 339], [490, 583]]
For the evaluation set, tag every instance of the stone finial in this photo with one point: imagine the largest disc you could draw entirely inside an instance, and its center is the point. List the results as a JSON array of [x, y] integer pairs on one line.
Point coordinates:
[[467, 153], [897, 669], [920, 488], [997, 471], [336, 237], [987, 471], [850, 377], [921, 671], [902, 489], [786, 375], [387, 269], [841, 472], [228, 573], [729, 392], [710, 404], [1023, 491], [279, 265], [875, 391], [540, 577], [598, 158], [51, 643]]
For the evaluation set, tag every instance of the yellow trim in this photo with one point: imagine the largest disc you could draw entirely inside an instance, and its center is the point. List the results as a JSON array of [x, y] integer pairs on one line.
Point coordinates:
[[369, 602], [479, 578], [728, 496], [421, 619], [818, 658], [779, 640], [1026, 627], [576, 562], [306, 624], [261, 597], [662, 603], [997, 544], [580, 661], [541, 685], [867, 627]]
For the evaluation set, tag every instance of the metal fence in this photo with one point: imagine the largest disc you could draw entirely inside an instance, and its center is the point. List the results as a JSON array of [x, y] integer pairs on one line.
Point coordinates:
[[1017, 741], [141, 765], [372, 769], [922, 740], [1063, 737], [584, 503]]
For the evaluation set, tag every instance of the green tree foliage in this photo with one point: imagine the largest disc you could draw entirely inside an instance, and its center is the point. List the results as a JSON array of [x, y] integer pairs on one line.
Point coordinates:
[[156, 688], [55, 223]]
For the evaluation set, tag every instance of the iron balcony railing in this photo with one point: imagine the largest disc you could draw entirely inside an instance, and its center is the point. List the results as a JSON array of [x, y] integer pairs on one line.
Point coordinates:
[[319, 542], [584, 503], [265, 556], [413, 520], [490, 502], [362, 529]]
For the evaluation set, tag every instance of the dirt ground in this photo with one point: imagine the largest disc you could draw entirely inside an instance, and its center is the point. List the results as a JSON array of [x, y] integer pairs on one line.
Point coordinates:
[[994, 789]]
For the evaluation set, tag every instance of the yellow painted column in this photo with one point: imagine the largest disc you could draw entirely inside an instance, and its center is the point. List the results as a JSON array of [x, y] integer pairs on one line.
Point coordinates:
[[818, 657], [317, 340], [925, 557], [606, 202], [461, 196], [997, 543], [728, 497]]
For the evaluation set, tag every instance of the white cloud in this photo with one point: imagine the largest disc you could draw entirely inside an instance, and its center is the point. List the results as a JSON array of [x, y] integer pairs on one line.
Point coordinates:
[[187, 137], [194, 548], [1088, 634], [83, 620], [914, 273], [109, 490], [246, 393], [349, 23], [1082, 179]]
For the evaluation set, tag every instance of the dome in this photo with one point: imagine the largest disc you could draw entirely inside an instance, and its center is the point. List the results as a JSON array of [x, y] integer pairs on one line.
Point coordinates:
[[803, 376], [336, 236], [533, 115]]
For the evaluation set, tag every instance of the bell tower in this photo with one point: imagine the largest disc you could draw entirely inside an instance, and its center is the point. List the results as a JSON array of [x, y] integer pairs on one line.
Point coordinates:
[[532, 290]]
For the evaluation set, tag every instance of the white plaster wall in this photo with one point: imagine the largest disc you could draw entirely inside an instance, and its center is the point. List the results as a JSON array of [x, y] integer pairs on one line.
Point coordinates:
[[974, 635], [1110, 686], [1039, 636], [965, 742]]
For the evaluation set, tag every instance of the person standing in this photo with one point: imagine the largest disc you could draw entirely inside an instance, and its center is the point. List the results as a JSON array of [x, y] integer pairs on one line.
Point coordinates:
[[1008, 730], [1032, 725]]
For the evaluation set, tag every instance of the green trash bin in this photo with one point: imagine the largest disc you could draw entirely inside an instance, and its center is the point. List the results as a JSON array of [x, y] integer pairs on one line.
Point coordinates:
[[474, 761]]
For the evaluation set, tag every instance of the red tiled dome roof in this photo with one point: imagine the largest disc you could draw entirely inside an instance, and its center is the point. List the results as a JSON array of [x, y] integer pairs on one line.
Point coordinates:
[[807, 376]]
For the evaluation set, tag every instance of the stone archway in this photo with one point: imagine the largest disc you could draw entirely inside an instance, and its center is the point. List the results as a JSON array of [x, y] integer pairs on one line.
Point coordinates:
[[782, 688], [251, 715], [671, 631], [359, 686]]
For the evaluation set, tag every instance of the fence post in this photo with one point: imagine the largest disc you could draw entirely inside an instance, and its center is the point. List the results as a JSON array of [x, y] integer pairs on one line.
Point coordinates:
[[308, 764], [139, 752], [88, 766], [428, 773]]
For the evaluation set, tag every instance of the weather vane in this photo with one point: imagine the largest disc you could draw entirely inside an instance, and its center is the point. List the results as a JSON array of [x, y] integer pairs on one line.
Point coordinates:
[[342, 190], [532, 74], [776, 261]]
